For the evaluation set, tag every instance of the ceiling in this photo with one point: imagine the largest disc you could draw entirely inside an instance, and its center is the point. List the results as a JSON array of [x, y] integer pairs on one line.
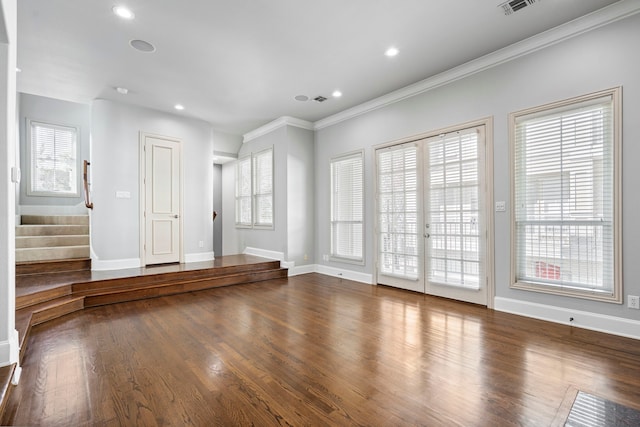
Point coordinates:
[[238, 64]]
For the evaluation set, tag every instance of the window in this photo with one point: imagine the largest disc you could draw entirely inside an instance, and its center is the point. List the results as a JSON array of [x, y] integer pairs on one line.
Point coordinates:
[[54, 160], [398, 211], [566, 160], [347, 196], [254, 190]]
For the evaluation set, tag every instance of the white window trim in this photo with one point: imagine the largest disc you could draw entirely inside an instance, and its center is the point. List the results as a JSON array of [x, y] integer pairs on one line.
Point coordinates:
[[617, 294], [29, 184], [332, 256]]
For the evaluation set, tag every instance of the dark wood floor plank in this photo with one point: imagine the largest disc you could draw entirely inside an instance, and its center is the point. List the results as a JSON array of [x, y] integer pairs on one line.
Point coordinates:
[[312, 350]]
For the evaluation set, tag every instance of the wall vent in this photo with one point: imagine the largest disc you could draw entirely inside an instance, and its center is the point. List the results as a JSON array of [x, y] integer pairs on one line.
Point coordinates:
[[320, 98], [512, 6]]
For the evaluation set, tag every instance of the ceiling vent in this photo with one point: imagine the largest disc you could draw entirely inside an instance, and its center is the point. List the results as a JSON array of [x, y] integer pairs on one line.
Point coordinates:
[[512, 6], [320, 98]]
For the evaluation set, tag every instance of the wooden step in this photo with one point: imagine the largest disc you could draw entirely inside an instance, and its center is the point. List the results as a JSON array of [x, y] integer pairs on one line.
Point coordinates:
[[38, 297], [51, 241], [55, 219], [55, 308], [52, 266], [53, 253], [6, 373], [51, 230], [116, 295]]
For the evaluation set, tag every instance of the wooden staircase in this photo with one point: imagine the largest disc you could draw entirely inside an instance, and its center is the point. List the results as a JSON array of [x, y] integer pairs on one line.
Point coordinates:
[[41, 297], [52, 243]]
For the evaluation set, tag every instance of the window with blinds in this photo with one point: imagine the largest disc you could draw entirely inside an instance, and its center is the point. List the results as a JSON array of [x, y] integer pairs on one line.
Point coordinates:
[[263, 188], [347, 208], [398, 211], [54, 160], [254, 190], [243, 192], [566, 174]]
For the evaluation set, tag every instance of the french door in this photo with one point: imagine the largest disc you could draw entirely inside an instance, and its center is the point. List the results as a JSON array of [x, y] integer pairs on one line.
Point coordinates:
[[432, 218]]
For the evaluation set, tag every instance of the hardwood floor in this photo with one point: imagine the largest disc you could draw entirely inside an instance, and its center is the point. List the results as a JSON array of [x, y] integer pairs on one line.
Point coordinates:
[[312, 350]]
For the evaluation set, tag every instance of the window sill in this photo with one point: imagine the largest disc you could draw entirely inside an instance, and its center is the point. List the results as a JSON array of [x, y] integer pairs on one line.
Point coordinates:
[[614, 297]]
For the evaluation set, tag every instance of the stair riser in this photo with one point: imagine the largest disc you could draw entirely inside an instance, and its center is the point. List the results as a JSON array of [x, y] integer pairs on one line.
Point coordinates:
[[55, 219], [44, 254], [177, 288], [42, 296], [56, 311], [56, 266], [51, 230], [50, 241]]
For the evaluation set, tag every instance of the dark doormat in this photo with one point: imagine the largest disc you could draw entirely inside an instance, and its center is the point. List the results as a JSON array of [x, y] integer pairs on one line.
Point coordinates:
[[588, 410]]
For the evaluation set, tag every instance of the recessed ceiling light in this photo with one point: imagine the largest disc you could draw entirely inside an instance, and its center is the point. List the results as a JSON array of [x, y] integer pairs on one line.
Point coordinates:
[[142, 46], [179, 107], [336, 94], [301, 98], [392, 51], [122, 90], [123, 12]]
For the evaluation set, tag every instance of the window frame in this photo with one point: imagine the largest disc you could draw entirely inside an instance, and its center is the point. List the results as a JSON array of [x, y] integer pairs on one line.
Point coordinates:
[[253, 193], [616, 294], [333, 255], [31, 161]]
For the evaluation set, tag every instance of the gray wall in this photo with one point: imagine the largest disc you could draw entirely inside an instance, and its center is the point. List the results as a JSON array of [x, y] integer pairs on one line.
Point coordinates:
[[593, 61], [115, 167], [300, 196], [217, 207], [53, 111]]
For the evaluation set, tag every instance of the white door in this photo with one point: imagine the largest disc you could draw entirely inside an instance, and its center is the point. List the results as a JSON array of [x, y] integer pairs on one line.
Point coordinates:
[[162, 189], [399, 219], [455, 216]]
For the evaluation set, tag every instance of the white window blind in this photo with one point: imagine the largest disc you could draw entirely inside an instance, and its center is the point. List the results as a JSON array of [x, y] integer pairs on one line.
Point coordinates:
[[398, 211], [564, 171], [243, 192], [347, 214], [263, 188], [54, 163]]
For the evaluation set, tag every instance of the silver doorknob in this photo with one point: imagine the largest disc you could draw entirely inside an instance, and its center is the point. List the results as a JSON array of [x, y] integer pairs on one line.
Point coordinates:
[[176, 216]]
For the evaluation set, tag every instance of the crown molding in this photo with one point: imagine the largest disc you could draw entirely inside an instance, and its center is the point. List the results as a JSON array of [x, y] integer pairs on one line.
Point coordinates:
[[602, 17], [276, 124]]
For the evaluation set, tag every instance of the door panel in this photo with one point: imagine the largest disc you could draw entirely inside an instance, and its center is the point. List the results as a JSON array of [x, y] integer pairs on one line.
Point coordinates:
[[454, 215], [162, 195]]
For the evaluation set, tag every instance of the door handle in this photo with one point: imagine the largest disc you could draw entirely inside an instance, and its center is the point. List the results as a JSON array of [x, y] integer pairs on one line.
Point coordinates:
[[175, 216]]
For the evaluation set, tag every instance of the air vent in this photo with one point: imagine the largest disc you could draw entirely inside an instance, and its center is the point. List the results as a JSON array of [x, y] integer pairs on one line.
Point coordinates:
[[512, 6], [320, 98]]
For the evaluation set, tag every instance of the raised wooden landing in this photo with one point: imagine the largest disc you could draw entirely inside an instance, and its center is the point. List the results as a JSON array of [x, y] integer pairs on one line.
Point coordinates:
[[44, 297]]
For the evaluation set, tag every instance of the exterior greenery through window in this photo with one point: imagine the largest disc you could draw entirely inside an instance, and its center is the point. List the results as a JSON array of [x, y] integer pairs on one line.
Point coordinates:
[[347, 209], [54, 160], [566, 163], [254, 190]]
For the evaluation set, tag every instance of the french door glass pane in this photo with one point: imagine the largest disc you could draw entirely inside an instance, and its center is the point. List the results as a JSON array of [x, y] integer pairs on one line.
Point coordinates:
[[453, 212]]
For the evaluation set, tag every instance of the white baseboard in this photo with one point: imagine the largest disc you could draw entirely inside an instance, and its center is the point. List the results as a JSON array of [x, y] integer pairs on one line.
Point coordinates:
[[581, 319], [345, 274], [199, 257], [302, 269], [10, 350], [264, 253], [115, 264]]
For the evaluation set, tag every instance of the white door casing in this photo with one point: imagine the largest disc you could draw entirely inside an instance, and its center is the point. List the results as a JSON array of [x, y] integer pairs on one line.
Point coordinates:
[[161, 199]]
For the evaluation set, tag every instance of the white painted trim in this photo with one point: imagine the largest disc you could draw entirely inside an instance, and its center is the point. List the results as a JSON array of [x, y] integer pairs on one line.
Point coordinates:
[[115, 264], [581, 319], [604, 16], [199, 257], [10, 349], [276, 124], [302, 269], [265, 253], [345, 274]]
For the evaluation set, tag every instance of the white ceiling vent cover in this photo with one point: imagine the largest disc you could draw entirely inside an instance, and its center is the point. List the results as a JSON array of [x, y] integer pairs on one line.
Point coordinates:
[[512, 6]]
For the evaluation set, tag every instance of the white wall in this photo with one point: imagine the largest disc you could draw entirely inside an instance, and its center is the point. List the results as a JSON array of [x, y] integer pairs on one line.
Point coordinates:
[[597, 60], [115, 167], [53, 111], [230, 243], [8, 334]]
